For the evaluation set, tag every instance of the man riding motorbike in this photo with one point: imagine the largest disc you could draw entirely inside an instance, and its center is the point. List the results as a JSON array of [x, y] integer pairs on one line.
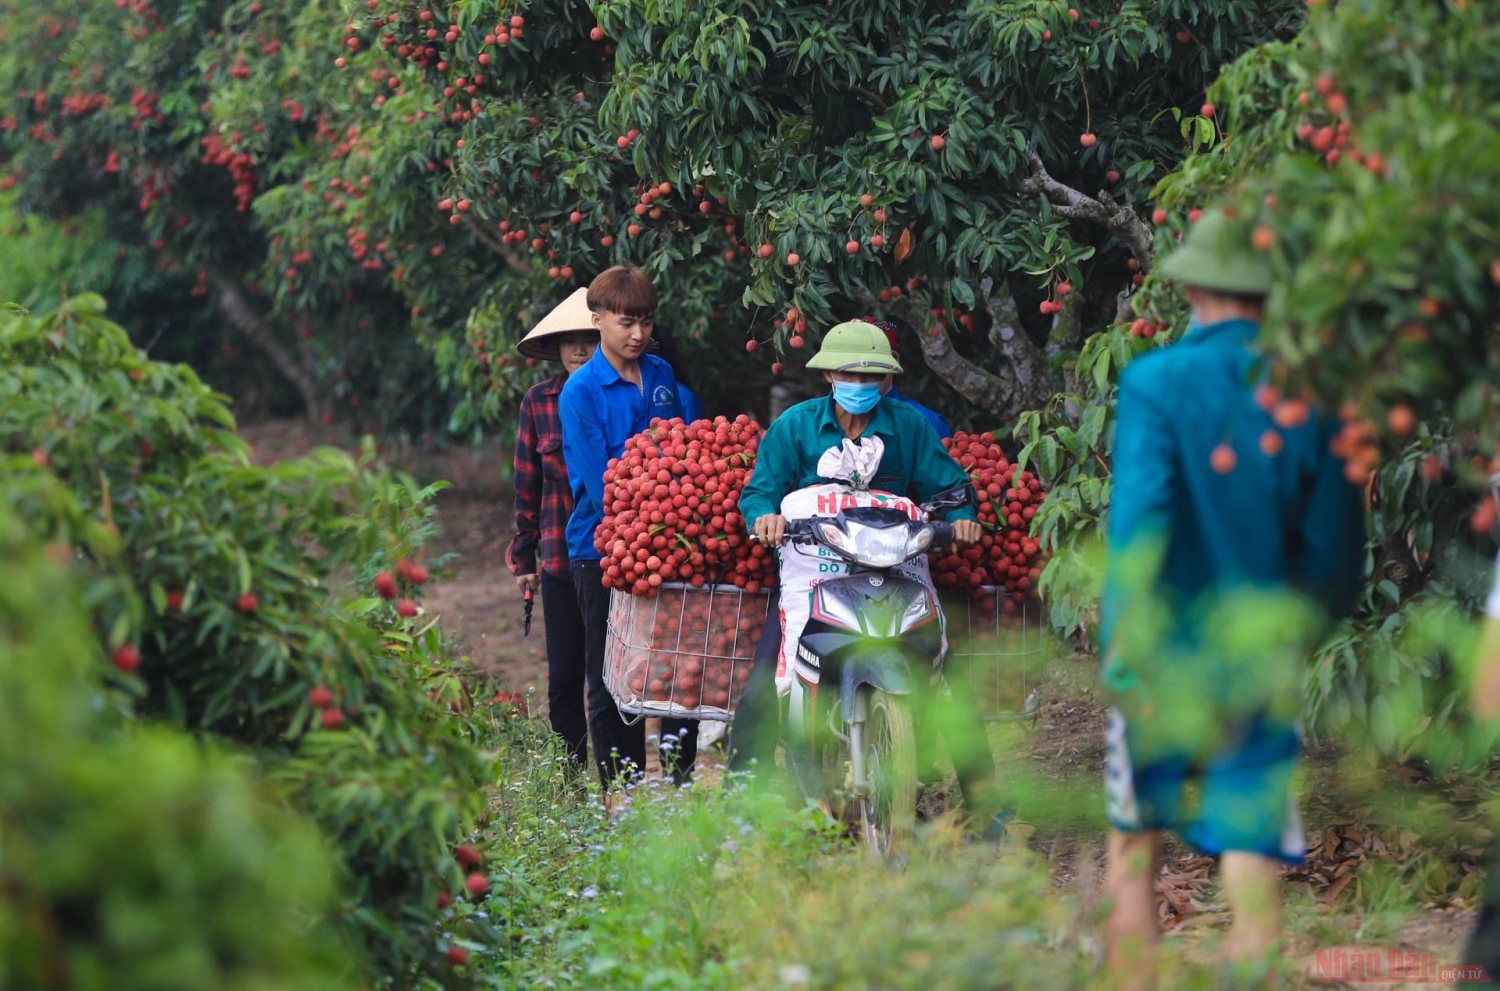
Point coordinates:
[[855, 359]]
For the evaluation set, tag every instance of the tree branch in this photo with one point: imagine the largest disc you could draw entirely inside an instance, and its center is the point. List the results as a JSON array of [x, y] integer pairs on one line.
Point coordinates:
[[869, 96], [513, 258], [243, 317], [1121, 221], [988, 392], [1005, 315], [1006, 395]]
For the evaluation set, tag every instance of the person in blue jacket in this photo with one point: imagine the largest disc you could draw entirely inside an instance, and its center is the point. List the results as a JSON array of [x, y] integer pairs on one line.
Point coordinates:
[[1223, 528], [615, 395], [889, 389]]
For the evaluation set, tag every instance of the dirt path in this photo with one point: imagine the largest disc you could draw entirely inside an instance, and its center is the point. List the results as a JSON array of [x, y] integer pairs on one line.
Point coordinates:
[[479, 602]]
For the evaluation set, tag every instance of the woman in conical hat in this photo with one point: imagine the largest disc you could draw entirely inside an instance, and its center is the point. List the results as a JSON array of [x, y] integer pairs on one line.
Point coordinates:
[[538, 554]]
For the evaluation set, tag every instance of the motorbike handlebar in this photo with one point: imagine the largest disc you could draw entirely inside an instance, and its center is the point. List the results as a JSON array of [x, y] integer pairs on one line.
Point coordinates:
[[801, 532], [796, 532]]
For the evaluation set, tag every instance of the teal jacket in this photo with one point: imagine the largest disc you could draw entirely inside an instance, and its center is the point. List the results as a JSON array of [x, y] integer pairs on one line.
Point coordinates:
[[915, 463], [1288, 521]]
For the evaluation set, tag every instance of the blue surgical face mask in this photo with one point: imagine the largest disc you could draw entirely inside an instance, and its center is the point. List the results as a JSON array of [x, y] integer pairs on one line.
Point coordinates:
[[856, 397]]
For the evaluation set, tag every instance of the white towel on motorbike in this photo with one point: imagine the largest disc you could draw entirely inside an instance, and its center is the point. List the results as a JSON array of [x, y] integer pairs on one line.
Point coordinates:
[[855, 462], [804, 566]]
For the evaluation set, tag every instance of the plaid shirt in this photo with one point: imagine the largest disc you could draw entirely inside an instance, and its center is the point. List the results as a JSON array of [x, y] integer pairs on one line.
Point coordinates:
[[544, 499]]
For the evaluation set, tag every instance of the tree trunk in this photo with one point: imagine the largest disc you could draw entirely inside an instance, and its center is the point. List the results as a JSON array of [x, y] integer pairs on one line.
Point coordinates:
[[243, 317]]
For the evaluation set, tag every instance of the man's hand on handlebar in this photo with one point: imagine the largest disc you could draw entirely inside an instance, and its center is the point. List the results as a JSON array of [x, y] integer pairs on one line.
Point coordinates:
[[770, 529], [967, 532]]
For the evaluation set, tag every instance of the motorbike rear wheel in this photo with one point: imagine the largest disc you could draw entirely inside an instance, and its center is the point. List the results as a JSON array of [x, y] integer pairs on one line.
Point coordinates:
[[889, 803]]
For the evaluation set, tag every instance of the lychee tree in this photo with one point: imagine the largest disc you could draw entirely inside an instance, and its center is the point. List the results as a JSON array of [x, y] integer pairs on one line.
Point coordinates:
[[146, 111], [274, 609], [779, 172], [134, 855], [1357, 155], [969, 169]]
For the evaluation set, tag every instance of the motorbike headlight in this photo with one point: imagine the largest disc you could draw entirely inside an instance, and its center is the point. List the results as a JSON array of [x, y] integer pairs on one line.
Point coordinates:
[[886, 547], [921, 540], [837, 539]]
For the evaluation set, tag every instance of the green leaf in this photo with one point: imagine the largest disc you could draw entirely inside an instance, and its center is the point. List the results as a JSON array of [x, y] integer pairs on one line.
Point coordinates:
[[1091, 428], [1101, 370]]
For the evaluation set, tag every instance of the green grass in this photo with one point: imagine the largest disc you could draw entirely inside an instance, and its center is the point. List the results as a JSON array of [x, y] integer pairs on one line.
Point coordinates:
[[702, 890]]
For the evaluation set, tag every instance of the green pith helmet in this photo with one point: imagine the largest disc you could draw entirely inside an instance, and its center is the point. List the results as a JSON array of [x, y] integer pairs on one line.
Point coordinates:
[[856, 346], [1216, 255]]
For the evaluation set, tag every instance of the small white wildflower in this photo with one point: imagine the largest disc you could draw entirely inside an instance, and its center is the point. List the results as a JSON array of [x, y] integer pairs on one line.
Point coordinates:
[[794, 974], [590, 892]]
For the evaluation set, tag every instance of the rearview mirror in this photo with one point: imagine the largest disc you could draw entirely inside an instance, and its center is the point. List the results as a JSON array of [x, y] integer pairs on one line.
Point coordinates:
[[950, 499]]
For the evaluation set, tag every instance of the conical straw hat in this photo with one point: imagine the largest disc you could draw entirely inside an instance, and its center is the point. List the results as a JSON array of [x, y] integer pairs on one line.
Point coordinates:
[[568, 317]]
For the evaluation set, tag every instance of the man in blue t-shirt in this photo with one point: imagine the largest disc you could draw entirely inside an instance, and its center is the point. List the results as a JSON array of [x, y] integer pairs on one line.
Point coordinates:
[[613, 397]]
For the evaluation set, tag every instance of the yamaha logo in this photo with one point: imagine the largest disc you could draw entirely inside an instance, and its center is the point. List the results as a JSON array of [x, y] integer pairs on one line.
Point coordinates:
[[876, 581], [807, 655]]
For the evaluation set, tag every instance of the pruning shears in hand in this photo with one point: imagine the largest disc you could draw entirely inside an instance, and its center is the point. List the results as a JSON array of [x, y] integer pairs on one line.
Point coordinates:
[[526, 593]]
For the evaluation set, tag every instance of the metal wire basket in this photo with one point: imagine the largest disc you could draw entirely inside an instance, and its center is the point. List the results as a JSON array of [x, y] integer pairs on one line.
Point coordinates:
[[1002, 652], [685, 652]]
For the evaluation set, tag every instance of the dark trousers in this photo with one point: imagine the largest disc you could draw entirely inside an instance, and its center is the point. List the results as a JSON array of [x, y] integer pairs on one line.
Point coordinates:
[[619, 748], [757, 714], [753, 736], [566, 667], [957, 718]]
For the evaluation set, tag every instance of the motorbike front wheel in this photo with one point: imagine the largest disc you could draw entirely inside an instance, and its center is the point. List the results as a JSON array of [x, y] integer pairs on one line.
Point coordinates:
[[889, 804]]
